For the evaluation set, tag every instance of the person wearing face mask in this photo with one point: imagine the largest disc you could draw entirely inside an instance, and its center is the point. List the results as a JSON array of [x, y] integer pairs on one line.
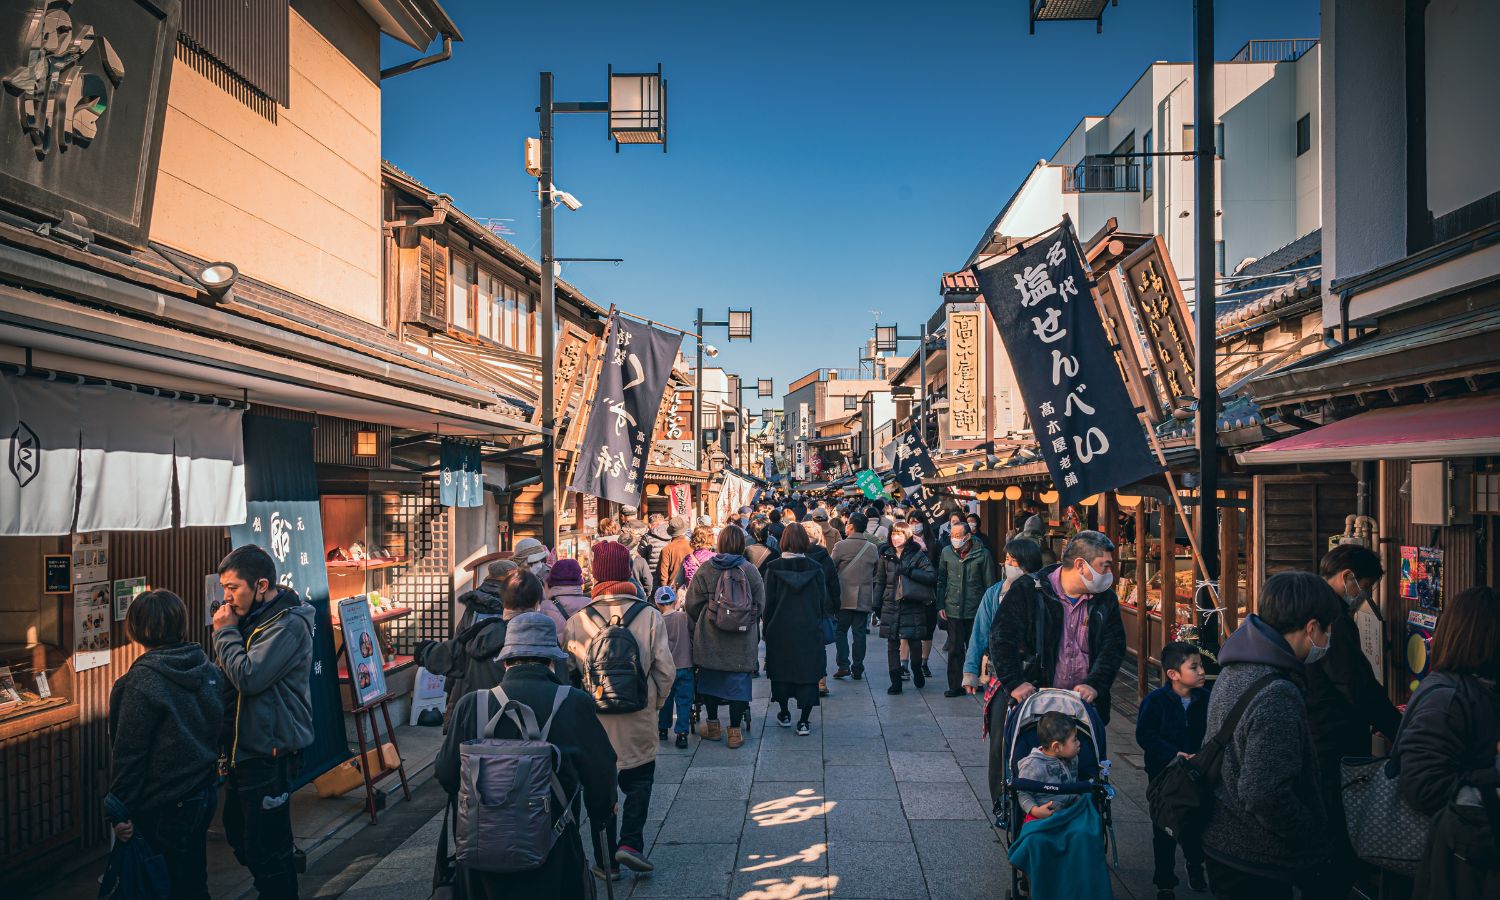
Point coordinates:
[[1083, 639], [263, 643], [965, 572], [905, 588], [1267, 831], [1344, 701]]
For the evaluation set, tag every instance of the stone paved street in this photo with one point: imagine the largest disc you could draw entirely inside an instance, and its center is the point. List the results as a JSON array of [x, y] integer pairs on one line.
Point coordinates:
[[885, 799]]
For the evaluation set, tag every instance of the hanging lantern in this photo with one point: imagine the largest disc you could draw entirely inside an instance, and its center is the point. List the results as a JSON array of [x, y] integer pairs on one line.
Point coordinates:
[[1129, 501], [1013, 492], [1048, 497], [1090, 501]]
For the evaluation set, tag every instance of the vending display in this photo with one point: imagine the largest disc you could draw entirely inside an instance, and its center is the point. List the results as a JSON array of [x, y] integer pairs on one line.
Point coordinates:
[[1420, 627]]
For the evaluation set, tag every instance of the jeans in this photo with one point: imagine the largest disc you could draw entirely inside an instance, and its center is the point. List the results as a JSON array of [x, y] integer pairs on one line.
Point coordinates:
[[1164, 849], [858, 622], [635, 784], [179, 832], [680, 699], [258, 824], [956, 648]]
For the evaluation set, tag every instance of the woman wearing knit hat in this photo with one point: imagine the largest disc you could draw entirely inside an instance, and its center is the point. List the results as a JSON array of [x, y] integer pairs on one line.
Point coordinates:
[[565, 594], [534, 555], [632, 734]]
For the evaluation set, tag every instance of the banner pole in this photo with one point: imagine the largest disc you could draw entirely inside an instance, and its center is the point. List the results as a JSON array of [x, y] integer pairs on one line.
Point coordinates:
[[1213, 588]]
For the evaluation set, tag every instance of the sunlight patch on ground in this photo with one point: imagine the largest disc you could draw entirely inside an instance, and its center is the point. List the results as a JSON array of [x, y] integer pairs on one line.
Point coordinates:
[[802, 806]]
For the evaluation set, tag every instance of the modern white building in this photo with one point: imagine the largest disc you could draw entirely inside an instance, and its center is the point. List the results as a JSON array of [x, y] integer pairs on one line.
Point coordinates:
[[1267, 175]]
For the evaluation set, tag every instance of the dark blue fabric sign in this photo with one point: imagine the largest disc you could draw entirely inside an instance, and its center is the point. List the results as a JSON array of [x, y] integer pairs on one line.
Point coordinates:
[[284, 517], [612, 458], [911, 461], [1042, 300], [462, 481]]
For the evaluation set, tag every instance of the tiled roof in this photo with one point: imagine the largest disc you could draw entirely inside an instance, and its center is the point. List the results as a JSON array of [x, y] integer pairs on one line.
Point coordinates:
[[1247, 300], [962, 282]]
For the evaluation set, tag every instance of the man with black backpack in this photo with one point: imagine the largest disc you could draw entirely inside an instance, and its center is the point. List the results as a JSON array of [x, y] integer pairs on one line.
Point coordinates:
[[1265, 832], [618, 645], [502, 851]]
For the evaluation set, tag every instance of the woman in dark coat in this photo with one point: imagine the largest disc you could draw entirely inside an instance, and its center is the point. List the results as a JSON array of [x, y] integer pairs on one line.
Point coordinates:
[[797, 600], [906, 584], [817, 551], [1448, 745]]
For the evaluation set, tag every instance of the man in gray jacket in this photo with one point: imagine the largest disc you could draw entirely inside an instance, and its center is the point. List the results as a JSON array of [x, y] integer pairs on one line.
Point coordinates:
[[857, 557], [1267, 832], [263, 641]]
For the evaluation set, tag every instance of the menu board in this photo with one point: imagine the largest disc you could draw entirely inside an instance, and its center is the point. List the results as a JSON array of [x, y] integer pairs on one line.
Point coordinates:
[[362, 645], [91, 623], [90, 557], [1422, 576]]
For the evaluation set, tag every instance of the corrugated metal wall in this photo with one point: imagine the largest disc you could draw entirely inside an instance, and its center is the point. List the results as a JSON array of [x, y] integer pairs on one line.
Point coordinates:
[[249, 37]]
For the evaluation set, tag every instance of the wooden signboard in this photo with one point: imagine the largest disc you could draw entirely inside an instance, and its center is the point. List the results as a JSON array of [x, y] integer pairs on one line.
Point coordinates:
[[1120, 330], [1162, 311]]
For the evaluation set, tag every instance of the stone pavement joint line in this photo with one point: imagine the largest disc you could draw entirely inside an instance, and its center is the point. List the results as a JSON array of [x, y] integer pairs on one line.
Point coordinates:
[[887, 799]]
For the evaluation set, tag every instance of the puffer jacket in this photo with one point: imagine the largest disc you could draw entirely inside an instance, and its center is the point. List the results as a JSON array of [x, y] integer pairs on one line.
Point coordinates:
[[905, 618], [267, 659], [1268, 815], [467, 660], [653, 542], [962, 581], [690, 565]]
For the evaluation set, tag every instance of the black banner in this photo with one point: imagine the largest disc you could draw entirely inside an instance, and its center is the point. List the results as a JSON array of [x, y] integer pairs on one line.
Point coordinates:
[[910, 460], [612, 458], [1043, 304], [284, 517]]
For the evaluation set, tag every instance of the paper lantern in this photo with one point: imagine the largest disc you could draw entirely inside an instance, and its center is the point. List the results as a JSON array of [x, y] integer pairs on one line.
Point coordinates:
[[1090, 501], [1048, 496], [1013, 492], [1129, 501]]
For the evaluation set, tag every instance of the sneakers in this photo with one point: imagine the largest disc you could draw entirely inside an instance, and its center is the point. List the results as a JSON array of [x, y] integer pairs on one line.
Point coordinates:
[[926, 671], [803, 730], [614, 874], [736, 738], [823, 687], [918, 679], [841, 673], [857, 673], [632, 859], [905, 674], [711, 730], [895, 687], [952, 693], [661, 734], [784, 719], [1196, 880], [681, 741]]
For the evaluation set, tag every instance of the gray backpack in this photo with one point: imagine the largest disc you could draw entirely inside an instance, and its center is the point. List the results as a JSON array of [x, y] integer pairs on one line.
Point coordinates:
[[507, 788]]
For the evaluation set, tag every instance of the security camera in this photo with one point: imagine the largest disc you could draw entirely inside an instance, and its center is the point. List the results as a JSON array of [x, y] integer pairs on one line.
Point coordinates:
[[710, 351], [566, 199]]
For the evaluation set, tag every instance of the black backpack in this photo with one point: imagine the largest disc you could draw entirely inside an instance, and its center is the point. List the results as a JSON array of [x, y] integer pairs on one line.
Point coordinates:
[[612, 672], [1181, 798]]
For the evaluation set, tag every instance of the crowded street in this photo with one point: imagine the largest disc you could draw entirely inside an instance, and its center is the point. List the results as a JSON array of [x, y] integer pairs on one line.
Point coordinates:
[[955, 455]]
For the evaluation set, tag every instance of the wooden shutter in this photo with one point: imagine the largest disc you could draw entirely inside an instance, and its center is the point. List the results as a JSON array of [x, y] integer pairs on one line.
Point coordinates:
[[429, 306], [1295, 516]]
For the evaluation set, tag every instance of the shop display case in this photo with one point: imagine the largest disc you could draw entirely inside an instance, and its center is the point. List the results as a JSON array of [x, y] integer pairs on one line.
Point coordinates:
[[366, 550]]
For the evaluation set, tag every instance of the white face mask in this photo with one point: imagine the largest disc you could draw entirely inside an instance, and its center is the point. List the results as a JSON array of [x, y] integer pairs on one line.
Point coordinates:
[[917, 528], [1315, 652], [1096, 582], [1013, 572]]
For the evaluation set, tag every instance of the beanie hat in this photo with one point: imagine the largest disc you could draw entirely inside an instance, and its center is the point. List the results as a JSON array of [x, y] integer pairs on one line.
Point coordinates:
[[530, 550], [611, 562], [677, 526], [567, 571]]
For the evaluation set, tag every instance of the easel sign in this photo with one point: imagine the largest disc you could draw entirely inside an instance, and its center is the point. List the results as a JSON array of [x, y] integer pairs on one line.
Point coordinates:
[[362, 646]]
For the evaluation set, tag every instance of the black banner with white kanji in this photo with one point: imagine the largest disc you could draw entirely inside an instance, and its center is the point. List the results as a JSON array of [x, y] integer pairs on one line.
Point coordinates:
[[909, 458], [612, 458], [1043, 304]]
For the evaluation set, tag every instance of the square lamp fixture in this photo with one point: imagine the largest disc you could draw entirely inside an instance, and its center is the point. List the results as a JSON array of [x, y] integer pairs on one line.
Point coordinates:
[[739, 324], [366, 443], [710, 420], [638, 108], [885, 338], [763, 387]]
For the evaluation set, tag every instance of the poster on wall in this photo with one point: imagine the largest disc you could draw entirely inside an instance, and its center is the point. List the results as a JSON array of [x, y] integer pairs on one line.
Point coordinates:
[[1422, 576], [362, 645], [126, 590], [90, 557], [91, 618]]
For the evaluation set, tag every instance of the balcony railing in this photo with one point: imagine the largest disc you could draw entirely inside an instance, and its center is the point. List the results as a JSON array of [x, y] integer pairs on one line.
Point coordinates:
[[1281, 50], [1102, 174]]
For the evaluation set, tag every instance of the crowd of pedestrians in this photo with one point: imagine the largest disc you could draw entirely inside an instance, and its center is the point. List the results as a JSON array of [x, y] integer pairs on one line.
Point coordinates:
[[605, 663]]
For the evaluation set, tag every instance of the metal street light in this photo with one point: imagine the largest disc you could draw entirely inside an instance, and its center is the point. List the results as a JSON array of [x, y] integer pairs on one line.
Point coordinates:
[[738, 325], [637, 114], [737, 388], [886, 339]]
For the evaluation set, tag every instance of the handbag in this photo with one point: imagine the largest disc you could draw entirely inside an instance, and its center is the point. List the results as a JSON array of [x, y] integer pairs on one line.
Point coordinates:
[[830, 630], [1383, 829]]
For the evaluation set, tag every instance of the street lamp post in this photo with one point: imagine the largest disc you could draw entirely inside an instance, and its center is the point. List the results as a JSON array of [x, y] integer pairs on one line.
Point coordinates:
[[886, 339], [739, 325], [737, 388], [637, 111]]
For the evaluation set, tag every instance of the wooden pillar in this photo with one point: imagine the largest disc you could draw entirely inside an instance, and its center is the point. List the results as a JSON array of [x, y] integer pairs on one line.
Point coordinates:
[[1168, 573], [1142, 617], [1229, 567], [1108, 519]]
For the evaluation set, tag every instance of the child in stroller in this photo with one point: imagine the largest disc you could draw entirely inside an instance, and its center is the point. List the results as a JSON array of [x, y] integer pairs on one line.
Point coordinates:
[[1066, 816]]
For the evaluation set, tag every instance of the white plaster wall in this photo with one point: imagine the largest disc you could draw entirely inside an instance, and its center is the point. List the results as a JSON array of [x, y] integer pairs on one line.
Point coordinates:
[[1463, 130]]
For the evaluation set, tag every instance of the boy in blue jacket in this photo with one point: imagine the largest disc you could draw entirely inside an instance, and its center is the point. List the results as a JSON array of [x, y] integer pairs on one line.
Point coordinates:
[[1171, 723]]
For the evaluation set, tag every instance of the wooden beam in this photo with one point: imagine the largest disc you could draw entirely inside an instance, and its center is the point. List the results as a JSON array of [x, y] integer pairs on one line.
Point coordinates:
[[1229, 570], [1142, 616], [1168, 573]]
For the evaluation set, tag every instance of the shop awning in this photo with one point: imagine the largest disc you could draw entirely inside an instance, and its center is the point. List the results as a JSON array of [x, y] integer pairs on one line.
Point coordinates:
[[1467, 426]]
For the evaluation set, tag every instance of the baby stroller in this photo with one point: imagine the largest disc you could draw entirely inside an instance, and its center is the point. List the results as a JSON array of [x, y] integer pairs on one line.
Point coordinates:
[[1093, 767]]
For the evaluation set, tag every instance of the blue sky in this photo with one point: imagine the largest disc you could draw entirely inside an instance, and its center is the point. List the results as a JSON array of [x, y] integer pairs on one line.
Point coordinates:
[[826, 158]]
